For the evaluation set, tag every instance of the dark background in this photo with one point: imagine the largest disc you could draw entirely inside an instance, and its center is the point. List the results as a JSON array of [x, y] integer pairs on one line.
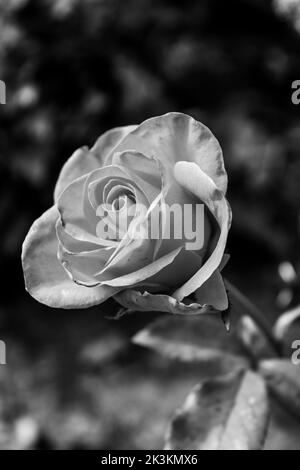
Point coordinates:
[[74, 69]]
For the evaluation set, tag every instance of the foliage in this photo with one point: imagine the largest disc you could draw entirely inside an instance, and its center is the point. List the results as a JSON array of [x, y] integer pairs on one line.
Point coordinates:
[[229, 408]]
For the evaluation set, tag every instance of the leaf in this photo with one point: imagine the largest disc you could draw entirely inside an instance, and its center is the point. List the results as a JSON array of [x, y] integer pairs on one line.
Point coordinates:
[[226, 413], [102, 351], [283, 379], [284, 429], [171, 335], [287, 329], [253, 339], [194, 339]]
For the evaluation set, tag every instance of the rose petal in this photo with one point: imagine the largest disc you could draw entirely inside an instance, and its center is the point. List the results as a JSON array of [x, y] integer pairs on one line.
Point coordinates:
[[101, 265], [225, 259], [78, 217], [114, 188], [172, 193], [101, 176], [105, 187], [184, 266], [213, 292], [144, 273], [82, 267], [175, 232], [138, 254], [71, 244], [177, 137], [76, 245], [105, 174], [132, 256], [84, 160], [105, 145], [146, 302], [138, 246], [193, 179], [45, 278], [121, 217], [142, 169]]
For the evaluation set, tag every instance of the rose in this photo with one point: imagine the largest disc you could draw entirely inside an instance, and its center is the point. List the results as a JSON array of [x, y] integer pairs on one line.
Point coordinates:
[[165, 160]]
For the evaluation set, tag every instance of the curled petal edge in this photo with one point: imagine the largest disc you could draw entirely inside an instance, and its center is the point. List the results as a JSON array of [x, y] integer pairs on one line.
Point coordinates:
[[145, 302]]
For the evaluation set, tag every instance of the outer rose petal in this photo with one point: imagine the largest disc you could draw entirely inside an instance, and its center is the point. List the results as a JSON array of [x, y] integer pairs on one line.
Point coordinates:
[[174, 137], [193, 179], [145, 302], [213, 292], [77, 216], [84, 160], [45, 278], [105, 145], [211, 297]]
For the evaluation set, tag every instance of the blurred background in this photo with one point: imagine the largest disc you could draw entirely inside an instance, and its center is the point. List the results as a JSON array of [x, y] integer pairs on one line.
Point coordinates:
[[74, 69]]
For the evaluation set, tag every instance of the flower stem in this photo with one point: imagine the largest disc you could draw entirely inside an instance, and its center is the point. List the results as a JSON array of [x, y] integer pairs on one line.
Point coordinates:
[[257, 315]]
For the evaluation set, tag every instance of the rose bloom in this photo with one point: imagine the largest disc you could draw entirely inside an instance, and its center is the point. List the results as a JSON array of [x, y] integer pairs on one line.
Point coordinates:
[[166, 160]]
